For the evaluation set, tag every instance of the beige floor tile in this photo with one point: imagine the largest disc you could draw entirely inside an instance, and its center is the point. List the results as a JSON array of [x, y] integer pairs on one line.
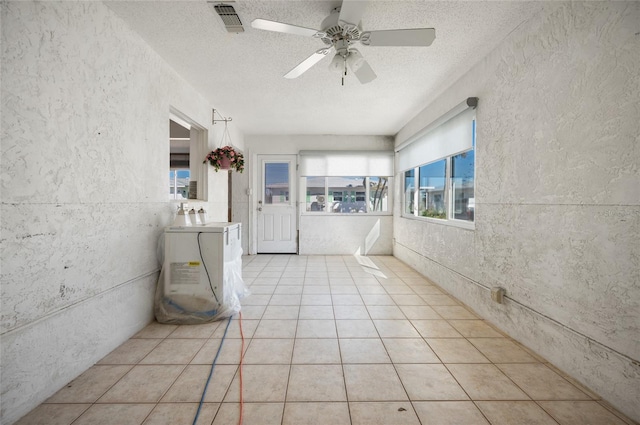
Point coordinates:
[[174, 351], [316, 312], [253, 414], [427, 290], [439, 299], [282, 300], [429, 382], [316, 280], [435, 329], [347, 300], [399, 290], [115, 414], [396, 329], [256, 299], [344, 289], [316, 299], [454, 312], [475, 329], [371, 289], [485, 382], [316, 329], [269, 351], [387, 413], [580, 413], [316, 290], [316, 413], [252, 312], [541, 383], [501, 350], [409, 350], [276, 329], [181, 414], [353, 312], [456, 350], [261, 290], [356, 329], [155, 330], [419, 312], [378, 382], [204, 330], [53, 414], [190, 384], [386, 312], [229, 353], [131, 351], [91, 385], [262, 383], [450, 413], [377, 299], [281, 312], [316, 383], [515, 412], [283, 289], [363, 350], [143, 384], [248, 328], [316, 351], [408, 299]]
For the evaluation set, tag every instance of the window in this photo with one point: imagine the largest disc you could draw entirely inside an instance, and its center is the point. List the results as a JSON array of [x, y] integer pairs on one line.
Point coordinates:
[[347, 195], [187, 147], [439, 164], [330, 190]]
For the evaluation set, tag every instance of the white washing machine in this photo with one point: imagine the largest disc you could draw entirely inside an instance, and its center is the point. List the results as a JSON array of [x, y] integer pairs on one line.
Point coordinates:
[[196, 263]]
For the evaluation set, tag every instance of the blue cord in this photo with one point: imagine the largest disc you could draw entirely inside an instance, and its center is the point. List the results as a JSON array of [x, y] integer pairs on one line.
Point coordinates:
[[213, 365]]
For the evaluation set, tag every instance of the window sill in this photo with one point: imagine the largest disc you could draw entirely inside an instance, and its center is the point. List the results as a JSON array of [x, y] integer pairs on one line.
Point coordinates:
[[453, 223], [324, 214]]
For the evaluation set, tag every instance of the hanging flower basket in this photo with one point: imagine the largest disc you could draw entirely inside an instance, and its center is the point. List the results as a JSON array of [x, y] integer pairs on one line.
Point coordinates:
[[225, 158]]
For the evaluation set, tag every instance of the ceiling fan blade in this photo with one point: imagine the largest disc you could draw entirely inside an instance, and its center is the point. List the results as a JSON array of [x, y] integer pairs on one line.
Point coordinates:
[[407, 37], [360, 67], [264, 24], [351, 11], [306, 64]]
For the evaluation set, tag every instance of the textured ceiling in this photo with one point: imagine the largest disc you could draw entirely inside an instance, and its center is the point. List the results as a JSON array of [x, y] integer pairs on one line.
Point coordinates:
[[241, 74]]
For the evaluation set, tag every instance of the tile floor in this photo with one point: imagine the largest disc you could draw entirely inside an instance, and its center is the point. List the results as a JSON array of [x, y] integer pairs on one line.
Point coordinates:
[[329, 340]]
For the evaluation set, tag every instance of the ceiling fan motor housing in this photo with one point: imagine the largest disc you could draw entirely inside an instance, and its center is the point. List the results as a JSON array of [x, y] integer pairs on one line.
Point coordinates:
[[334, 30]]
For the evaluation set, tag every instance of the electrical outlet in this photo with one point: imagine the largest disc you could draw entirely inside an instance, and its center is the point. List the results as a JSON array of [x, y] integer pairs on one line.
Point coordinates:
[[497, 294]]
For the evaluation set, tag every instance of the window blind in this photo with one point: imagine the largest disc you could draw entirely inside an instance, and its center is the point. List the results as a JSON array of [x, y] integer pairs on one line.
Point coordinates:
[[346, 163], [447, 136]]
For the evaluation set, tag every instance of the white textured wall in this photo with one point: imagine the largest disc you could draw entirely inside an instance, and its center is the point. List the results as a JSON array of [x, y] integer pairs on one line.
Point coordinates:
[[85, 108], [363, 234], [317, 236], [558, 194]]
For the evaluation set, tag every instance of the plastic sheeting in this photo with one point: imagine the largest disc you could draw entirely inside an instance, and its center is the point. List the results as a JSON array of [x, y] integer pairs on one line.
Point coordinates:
[[185, 309]]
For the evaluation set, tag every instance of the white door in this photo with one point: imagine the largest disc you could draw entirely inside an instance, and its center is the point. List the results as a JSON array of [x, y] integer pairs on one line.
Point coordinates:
[[277, 204]]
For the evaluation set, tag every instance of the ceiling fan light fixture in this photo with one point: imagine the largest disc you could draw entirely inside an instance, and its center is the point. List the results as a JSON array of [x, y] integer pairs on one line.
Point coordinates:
[[355, 60], [337, 63]]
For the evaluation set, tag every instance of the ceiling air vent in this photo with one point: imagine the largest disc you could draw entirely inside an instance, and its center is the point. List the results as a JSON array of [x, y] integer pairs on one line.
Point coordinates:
[[229, 16]]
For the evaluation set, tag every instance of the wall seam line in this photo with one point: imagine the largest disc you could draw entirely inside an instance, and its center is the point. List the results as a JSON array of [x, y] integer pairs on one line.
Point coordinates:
[[81, 301]]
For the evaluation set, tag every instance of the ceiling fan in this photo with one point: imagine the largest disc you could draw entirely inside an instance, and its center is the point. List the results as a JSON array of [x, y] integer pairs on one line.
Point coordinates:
[[341, 30]]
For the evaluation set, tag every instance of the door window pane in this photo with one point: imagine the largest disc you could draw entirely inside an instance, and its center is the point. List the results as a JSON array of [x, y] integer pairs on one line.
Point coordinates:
[[431, 197], [276, 186], [462, 183]]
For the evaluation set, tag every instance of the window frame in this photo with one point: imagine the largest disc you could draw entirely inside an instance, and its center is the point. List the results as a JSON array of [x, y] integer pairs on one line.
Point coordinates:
[[367, 192], [450, 219]]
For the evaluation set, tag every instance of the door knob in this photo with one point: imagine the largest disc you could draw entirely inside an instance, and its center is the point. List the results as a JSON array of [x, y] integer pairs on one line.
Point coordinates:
[[259, 208]]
